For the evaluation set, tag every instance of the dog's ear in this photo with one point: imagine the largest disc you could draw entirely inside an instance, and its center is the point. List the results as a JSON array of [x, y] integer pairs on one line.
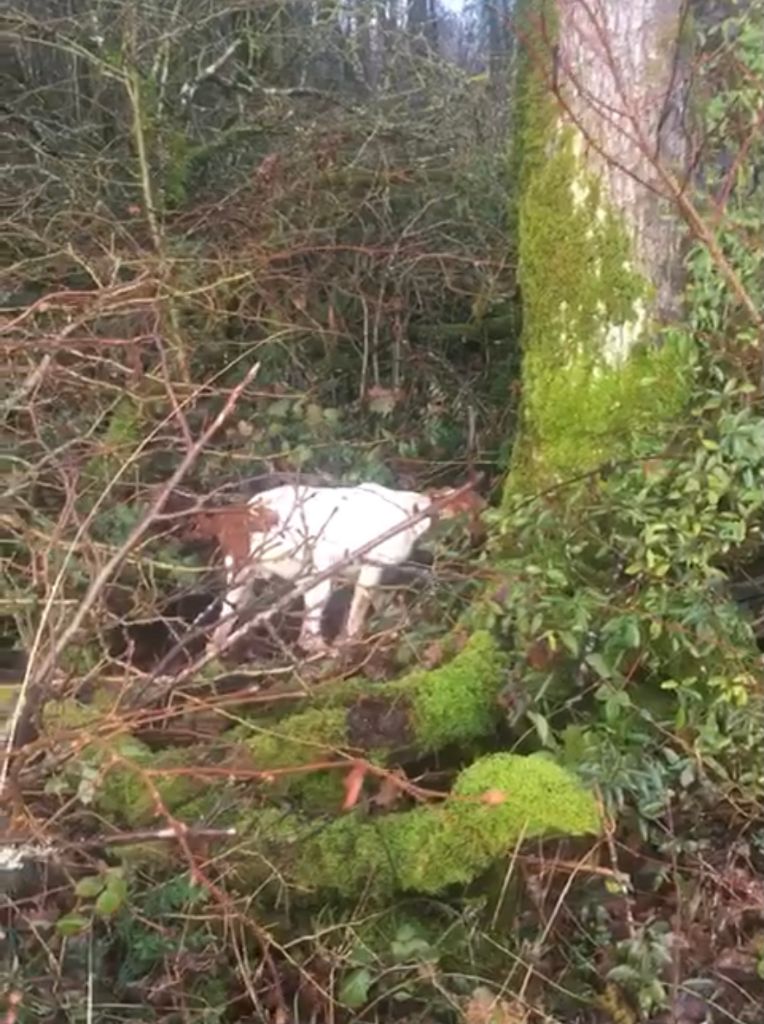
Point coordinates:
[[202, 526]]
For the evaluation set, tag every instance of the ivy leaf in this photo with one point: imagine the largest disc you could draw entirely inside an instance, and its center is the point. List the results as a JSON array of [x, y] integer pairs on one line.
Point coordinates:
[[90, 886], [354, 990], [72, 924]]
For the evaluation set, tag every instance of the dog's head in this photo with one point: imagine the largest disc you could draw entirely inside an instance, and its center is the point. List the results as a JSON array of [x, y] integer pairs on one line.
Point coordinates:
[[451, 502]]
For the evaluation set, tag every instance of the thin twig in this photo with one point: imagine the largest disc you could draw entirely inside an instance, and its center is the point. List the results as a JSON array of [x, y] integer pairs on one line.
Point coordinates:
[[21, 395]]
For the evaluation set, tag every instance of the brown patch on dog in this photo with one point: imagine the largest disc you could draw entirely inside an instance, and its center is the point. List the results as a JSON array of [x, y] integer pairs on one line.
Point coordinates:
[[379, 722], [262, 518], [455, 502], [233, 527]]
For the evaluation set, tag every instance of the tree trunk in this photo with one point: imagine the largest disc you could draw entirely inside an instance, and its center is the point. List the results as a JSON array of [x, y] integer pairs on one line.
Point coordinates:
[[600, 148], [622, 78]]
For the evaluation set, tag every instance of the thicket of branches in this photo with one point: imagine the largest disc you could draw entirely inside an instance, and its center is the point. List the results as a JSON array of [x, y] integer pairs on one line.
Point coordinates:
[[198, 189], [241, 240]]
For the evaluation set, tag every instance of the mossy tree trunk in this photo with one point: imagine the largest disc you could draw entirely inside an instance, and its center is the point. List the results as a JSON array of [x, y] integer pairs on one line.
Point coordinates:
[[599, 141], [623, 78]]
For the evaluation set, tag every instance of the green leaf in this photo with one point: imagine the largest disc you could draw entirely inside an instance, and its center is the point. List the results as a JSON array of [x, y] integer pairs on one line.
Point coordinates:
[[600, 666], [354, 990], [570, 642], [72, 924], [402, 994], [314, 415], [112, 897], [361, 955], [409, 944], [414, 949], [541, 726], [301, 454], [90, 886], [631, 635], [279, 409]]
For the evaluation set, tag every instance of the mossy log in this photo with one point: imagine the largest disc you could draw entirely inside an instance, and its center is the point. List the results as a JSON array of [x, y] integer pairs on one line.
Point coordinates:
[[423, 711], [122, 777], [135, 786], [499, 801]]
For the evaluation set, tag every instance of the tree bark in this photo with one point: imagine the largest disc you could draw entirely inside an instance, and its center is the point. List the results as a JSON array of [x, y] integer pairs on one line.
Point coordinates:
[[623, 78], [601, 148]]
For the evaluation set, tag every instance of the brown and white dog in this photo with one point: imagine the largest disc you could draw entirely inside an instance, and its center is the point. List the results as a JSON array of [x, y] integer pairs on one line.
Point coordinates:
[[298, 532]]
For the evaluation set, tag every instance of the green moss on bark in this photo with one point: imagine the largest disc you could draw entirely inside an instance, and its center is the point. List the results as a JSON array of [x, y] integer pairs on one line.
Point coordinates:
[[119, 779], [454, 703], [594, 381], [429, 848], [457, 702]]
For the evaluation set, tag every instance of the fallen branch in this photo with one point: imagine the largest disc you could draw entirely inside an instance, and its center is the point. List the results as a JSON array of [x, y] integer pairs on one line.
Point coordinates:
[[146, 835]]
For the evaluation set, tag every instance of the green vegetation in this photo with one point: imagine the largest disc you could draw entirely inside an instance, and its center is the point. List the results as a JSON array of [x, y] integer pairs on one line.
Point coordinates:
[[430, 848]]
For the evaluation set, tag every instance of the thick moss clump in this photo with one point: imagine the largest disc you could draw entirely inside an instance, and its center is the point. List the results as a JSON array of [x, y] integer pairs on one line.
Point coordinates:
[[455, 703], [299, 739], [430, 848], [114, 768], [122, 792]]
